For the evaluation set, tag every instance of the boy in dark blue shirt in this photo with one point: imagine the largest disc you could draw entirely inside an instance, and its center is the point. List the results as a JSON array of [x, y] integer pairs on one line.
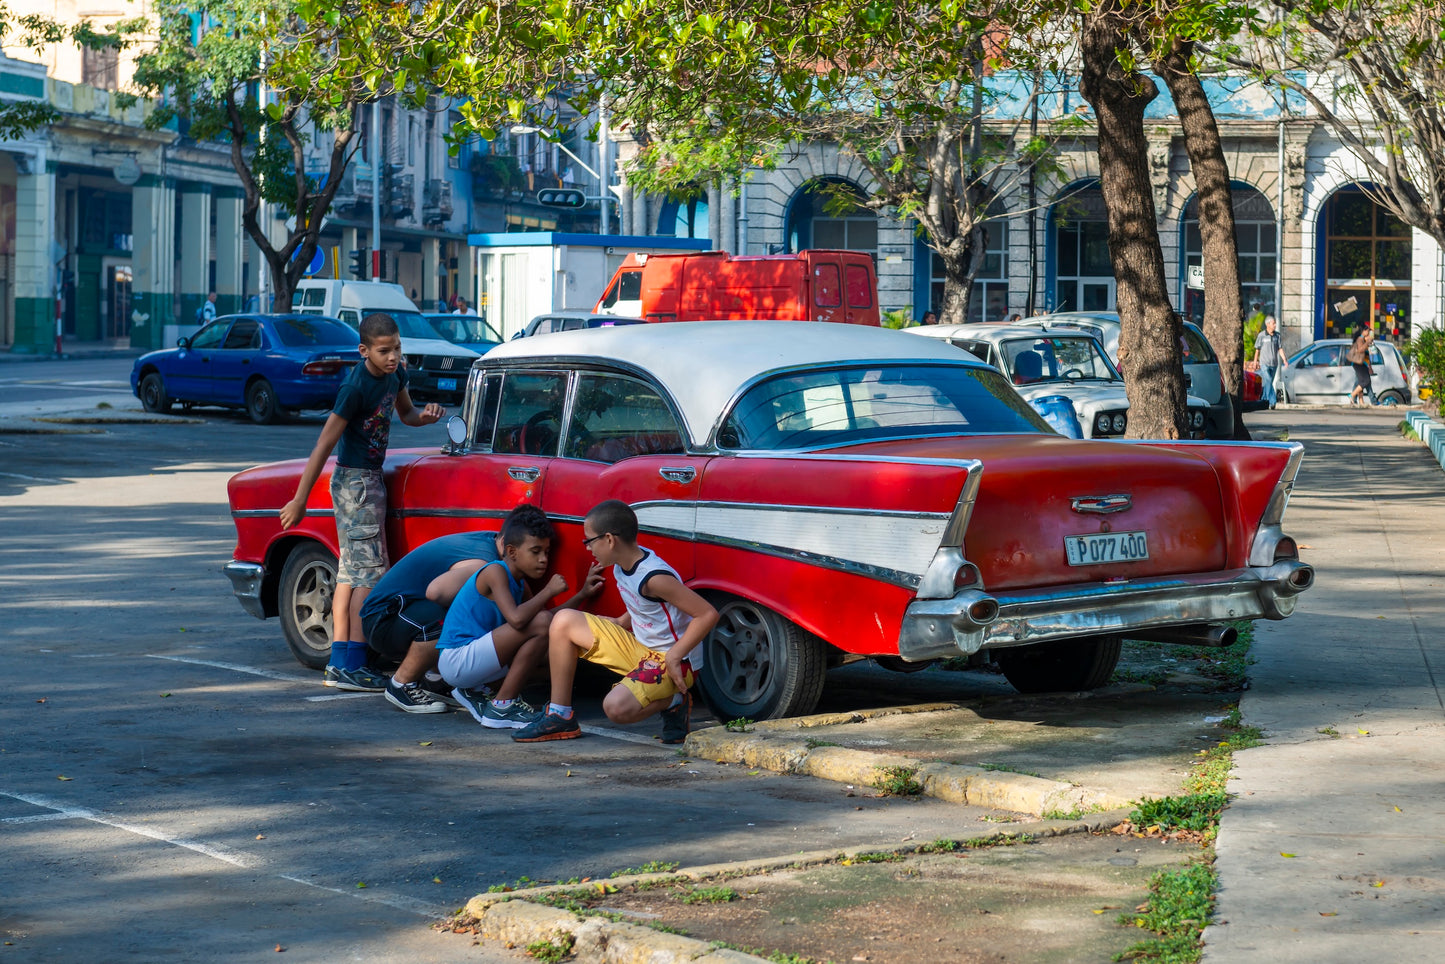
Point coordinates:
[[361, 422]]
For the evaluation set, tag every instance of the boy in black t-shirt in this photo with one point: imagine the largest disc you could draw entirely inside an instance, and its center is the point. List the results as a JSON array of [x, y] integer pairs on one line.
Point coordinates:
[[361, 422]]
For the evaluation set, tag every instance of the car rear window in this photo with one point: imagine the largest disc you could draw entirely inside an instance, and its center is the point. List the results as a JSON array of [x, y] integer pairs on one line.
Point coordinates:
[[850, 405], [306, 330], [1196, 349]]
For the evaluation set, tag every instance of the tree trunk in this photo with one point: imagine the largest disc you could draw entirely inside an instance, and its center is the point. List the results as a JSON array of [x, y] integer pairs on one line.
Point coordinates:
[[1223, 314], [1149, 349], [958, 275]]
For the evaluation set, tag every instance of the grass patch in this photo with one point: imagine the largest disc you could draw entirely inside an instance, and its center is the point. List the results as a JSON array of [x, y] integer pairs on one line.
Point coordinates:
[[876, 857], [1329, 731], [1408, 432], [739, 725], [1193, 811], [777, 957], [1179, 905], [553, 950], [710, 895], [651, 867], [940, 846], [1150, 677], [1005, 768], [897, 781], [813, 744]]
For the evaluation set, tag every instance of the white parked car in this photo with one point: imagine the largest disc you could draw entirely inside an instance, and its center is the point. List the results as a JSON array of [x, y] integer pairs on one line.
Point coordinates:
[[1063, 361], [1319, 374], [1201, 365]]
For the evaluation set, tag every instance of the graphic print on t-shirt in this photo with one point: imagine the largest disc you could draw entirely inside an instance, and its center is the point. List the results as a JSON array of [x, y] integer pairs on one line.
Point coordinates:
[[376, 428]]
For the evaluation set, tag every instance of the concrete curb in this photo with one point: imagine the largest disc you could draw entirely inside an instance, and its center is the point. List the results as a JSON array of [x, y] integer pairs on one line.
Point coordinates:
[[956, 783], [82, 422], [515, 920], [1431, 432]]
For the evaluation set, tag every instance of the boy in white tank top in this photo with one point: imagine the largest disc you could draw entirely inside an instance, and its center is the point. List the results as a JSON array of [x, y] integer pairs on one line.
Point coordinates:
[[653, 645]]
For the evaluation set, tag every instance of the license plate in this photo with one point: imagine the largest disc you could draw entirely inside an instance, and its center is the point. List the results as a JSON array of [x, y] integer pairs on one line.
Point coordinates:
[[446, 384], [1103, 547]]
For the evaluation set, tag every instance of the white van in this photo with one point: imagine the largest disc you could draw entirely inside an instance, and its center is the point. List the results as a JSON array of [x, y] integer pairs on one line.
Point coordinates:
[[436, 369]]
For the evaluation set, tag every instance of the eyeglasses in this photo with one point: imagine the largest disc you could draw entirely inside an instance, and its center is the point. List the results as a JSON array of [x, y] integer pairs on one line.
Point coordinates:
[[588, 542]]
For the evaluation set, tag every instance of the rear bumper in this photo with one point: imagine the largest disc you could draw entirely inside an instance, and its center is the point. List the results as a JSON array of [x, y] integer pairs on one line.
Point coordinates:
[[246, 579], [934, 628]]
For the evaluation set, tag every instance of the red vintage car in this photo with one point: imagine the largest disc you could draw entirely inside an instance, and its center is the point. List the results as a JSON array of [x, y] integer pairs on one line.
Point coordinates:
[[838, 492]]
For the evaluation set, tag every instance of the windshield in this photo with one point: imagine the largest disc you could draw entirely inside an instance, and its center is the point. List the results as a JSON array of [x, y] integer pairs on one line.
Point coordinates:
[[1055, 358], [300, 330], [410, 323], [461, 329], [850, 405]]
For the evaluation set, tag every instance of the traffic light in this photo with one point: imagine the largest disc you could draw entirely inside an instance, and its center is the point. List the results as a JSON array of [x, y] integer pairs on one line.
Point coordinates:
[[361, 263], [562, 197]]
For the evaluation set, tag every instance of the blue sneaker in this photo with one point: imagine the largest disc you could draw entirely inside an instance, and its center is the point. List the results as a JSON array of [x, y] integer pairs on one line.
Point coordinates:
[[474, 701], [514, 716], [354, 680], [549, 726]]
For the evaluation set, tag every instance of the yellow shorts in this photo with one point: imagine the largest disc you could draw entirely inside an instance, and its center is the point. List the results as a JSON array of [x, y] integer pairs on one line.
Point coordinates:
[[643, 670]]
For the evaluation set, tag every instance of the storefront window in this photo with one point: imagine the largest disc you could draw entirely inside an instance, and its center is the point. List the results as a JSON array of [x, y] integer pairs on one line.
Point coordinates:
[[1257, 240], [1368, 255]]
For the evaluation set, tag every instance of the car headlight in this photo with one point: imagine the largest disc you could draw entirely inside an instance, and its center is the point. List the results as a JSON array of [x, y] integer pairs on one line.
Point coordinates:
[[1119, 421], [1101, 423]]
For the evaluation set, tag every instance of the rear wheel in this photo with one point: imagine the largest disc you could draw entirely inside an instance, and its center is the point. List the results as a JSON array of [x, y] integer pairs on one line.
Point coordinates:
[[308, 581], [153, 397], [760, 666], [1391, 397], [261, 402], [1064, 666]]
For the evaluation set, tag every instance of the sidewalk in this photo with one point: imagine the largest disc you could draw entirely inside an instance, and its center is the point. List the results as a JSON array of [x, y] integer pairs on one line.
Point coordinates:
[[76, 350], [1333, 848]]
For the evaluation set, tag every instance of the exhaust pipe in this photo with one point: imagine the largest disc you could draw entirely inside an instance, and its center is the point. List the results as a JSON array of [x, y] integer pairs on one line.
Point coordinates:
[[1199, 634]]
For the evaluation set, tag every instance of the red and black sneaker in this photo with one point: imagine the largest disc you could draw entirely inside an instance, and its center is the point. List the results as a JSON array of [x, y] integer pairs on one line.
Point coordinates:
[[549, 726]]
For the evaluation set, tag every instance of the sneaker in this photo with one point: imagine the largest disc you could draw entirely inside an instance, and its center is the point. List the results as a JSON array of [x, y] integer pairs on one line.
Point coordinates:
[[517, 715], [411, 698], [676, 721], [440, 690], [549, 726], [474, 701], [354, 680]]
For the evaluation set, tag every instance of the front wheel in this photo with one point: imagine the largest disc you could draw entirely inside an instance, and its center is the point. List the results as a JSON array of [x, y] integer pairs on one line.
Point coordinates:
[[153, 397], [1065, 666], [308, 581], [261, 402], [758, 665]]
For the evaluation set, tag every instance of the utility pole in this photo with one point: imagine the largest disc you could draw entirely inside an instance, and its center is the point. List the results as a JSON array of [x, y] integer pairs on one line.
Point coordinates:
[[376, 190]]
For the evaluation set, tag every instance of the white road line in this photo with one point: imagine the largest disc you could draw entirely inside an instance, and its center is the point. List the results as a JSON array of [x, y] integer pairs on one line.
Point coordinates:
[[254, 671], [30, 478], [612, 734], [62, 812], [339, 696], [81, 813]]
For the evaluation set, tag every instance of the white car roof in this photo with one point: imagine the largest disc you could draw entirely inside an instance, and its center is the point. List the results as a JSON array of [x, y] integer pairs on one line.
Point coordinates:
[[994, 333], [702, 364]]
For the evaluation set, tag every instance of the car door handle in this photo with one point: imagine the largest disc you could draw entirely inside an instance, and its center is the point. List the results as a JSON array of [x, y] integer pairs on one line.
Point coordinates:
[[685, 473], [524, 473]]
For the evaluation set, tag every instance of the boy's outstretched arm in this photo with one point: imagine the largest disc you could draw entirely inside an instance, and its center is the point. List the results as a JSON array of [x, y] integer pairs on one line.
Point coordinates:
[[669, 589], [444, 588], [409, 414], [492, 582], [292, 512], [591, 586]]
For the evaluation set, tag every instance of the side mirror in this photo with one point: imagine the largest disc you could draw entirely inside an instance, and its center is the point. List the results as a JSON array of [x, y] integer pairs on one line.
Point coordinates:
[[183, 342], [457, 430]]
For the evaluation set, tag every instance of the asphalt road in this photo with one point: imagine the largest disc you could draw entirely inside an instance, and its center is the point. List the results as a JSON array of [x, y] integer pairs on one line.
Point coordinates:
[[30, 386], [173, 785]]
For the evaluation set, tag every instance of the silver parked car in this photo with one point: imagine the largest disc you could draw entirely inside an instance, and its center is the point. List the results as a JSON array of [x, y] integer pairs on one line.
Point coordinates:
[[1201, 366], [1319, 374]]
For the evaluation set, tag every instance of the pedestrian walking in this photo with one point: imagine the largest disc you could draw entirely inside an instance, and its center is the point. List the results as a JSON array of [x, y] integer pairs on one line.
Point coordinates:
[[1359, 358], [1266, 358]]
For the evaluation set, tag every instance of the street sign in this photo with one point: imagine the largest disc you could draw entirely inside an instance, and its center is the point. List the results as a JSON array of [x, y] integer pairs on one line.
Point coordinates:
[[562, 197], [1194, 278]]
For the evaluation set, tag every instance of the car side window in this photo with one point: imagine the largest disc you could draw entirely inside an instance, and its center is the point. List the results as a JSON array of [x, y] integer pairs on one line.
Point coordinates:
[[977, 349], [350, 316], [1197, 351], [1376, 359], [529, 415], [615, 417], [1326, 356], [211, 336], [245, 334]]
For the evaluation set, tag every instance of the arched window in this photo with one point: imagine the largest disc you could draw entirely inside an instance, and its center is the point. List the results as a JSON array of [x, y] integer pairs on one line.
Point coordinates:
[[1083, 273], [1366, 272], [684, 219], [1256, 236], [828, 213]]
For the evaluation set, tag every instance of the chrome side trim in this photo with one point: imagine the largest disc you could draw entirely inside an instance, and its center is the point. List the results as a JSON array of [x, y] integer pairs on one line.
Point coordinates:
[[273, 513], [786, 507], [246, 579], [932, 627], [446, 514], [906, 580]]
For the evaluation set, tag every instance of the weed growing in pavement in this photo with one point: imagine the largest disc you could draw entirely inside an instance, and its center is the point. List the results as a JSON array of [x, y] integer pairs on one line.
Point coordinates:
[[710, 895], [1003, 840], [1078, 813], [1193, 811], [739, 725], [521, 883], [104, 406], [1408, 432], [940, 846], [1150, 677], [876, 857], [777, 957], [813, 744], [1329, 731], [554, 950], [651, 867], [1179, 905], [897, 781]]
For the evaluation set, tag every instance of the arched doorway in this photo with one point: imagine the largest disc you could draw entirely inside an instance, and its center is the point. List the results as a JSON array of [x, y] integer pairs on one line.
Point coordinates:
[[1081, 276], [1257, 238], [1364, 275], [685, 218], [988, 299], [829, 213]]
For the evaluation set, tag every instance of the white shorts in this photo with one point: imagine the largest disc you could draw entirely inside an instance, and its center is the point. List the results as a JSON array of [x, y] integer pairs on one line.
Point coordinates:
[[469, 666]]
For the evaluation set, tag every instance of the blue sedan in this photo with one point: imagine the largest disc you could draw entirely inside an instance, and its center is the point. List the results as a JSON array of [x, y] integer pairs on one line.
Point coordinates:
[[266, 364]]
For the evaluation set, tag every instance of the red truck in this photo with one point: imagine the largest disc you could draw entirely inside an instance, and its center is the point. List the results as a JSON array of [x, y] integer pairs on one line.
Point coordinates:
[[813, 285]]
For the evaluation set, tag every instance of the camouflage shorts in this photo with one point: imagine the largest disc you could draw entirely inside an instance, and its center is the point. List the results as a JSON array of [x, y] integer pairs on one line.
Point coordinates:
[[359, 499]]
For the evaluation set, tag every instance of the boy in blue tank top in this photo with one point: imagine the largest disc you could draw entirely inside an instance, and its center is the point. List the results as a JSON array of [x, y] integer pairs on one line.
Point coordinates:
[[496, 628]]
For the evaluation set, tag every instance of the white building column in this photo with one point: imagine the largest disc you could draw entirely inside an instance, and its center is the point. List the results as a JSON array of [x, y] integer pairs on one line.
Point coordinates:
[[430, 263], [34, 278], [230, 241], [153, 226], [195, 228]]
